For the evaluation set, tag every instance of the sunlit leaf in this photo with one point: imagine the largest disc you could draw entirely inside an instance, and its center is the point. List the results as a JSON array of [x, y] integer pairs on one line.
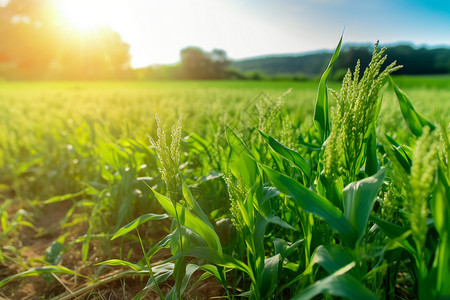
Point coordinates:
[[119, 262], [359, 198], [181, 285], [415, 121], [217, 258], [313, 203], [338, 284], [289, 154], [322, 110], [134, 224], [191, 221], [64, 197], [241, 160], [41, 271]]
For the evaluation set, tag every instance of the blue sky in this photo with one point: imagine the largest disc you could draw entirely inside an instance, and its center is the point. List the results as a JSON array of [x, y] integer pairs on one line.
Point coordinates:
[[157, 30]]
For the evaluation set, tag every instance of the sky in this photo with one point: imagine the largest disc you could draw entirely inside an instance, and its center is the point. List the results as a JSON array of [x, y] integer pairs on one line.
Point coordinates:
[[157, 30]]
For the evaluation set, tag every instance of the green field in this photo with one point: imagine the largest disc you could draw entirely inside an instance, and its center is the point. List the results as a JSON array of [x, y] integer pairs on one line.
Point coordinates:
[[76, 165]]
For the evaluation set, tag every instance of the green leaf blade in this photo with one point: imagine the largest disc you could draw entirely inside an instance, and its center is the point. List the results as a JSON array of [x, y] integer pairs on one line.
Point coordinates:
[[313, 203], [241, 160], [289, 154], [322, 110], [415, 121], [134, 224], [191, 221], [359, 198]]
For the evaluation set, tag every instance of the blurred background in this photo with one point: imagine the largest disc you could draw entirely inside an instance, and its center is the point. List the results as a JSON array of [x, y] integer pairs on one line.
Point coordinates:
[[215, 39]]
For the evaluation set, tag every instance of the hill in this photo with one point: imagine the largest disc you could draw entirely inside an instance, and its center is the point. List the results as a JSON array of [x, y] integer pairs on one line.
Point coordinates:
[[416, 61]]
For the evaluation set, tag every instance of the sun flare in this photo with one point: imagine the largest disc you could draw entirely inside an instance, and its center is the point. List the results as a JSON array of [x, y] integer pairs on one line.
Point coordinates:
[[85, 15]]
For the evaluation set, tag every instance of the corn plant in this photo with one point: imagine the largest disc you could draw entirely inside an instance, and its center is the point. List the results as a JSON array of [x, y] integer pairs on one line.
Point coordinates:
[[339, 210]]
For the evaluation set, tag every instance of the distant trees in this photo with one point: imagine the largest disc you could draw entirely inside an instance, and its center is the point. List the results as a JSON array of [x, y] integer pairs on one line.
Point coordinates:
[[36, 43], [195, 64], [421, 60], [198, 64]]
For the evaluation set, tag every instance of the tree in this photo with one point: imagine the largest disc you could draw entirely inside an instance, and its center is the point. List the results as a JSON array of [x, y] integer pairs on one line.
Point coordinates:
[[37, 43], [197, 64], [220, 63]]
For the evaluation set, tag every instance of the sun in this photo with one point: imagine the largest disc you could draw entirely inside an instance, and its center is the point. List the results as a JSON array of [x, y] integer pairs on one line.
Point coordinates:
[[84, 15]]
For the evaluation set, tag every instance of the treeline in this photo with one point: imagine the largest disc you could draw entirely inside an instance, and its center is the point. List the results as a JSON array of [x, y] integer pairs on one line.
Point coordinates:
[[416, 61], [197, 64]]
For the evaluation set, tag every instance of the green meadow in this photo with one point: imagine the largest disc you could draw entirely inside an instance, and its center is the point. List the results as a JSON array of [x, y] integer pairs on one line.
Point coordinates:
[[236, 200]]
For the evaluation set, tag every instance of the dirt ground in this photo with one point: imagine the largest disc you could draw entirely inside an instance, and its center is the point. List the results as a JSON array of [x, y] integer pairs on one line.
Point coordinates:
[[32, 243]]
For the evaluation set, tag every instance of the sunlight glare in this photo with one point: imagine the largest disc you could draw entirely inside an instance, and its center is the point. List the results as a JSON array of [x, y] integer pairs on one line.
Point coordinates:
[[85, 14]]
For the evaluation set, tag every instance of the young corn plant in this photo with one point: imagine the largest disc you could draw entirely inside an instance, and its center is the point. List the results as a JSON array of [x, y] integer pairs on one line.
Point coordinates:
[[192, 233], [340, 192], [252, 208], [421, 184]]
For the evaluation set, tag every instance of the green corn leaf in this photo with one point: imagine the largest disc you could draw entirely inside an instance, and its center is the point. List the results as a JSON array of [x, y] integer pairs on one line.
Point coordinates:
[[181, 285], [359, 198], [372, 165], [190, 221], [41, 271], [85, 245], [289, 154], [398, 235], [241, 160], [210, 270], [322, 109], [161, 274], [269, 193], [279, 246], [309, 146], [441, 203], [64, 197], [313, 203], [440, 208], [269, 276], [415, 121], [151, 285], [259, 234], [179, 273], [217, 258], [163, 243], [400, 154], [247, 217], [293, 247], [276, 220], [391, 230], [331, 258], [197, 142], [134, 224], [193, 203], [247, 294], [338, 284], [119, 262]]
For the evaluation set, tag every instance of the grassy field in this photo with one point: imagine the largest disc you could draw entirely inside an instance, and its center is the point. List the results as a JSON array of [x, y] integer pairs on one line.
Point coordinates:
[[76, 166]]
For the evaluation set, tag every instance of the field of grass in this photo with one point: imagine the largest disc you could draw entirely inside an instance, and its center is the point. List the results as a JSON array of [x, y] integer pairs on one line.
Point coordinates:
[[223, 208]]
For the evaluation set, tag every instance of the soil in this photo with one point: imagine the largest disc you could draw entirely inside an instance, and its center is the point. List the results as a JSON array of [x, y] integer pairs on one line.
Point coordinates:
[[32, 243]]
